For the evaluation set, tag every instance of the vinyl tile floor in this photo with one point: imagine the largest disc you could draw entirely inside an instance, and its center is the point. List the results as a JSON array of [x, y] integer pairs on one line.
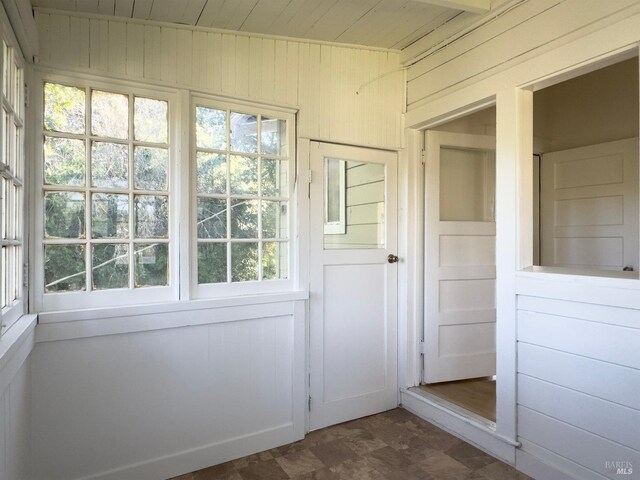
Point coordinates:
[[391, 445]]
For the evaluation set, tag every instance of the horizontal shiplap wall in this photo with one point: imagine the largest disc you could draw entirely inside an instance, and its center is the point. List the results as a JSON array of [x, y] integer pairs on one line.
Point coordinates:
[[579, 384], [344, 94], [530, 28], [364, 207]]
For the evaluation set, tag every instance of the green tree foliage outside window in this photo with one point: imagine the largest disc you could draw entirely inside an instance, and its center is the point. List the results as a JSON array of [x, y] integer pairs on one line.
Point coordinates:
[[242, 196]]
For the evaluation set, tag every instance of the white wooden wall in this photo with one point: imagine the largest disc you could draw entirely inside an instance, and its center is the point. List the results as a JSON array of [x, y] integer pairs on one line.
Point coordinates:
[[568, 360], [159, 403], [15, 395], [542, 26], [578, 376], [334, 87]]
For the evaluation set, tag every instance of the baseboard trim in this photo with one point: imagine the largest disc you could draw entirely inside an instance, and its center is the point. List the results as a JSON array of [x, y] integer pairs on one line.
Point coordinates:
[[477, 434], [542, 464], [202, 457]]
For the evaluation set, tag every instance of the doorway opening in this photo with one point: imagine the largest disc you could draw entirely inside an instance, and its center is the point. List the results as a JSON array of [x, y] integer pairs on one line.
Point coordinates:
[[459, 362], [585, 174]]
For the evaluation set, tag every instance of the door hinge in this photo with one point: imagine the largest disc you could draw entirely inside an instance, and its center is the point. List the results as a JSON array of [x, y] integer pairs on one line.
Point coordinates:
[[423, 348], [310, 176], [423, 157], [26, 96], [25, 275], [309, 402]]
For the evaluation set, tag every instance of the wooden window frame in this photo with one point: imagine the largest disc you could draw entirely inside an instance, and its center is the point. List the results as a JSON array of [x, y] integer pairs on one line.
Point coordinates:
[[43, 302], [216, 290], [12, 174]]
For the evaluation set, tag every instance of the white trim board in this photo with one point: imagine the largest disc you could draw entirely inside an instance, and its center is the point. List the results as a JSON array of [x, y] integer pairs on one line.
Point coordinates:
[[470, 430], [203, 457]]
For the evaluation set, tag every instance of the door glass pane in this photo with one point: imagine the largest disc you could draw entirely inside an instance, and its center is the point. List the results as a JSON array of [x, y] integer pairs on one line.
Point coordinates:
[[354, 204], [467, 185]]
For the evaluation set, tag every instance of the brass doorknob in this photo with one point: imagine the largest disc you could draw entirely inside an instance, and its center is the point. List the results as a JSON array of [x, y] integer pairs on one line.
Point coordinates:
[[392, 258]]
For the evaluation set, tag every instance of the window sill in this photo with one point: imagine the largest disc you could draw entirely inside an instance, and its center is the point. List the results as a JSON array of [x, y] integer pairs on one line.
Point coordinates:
[[615, 288], [70, 324], [582, 272], [14, 337]]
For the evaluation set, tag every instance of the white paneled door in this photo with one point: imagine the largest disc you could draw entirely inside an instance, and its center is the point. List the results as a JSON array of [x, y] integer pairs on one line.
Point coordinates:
[[460, 257], [353, 319], [589, 206]]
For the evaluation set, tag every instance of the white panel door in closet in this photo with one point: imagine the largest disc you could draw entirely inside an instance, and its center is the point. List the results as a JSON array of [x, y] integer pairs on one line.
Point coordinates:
[[460, 257], [589, 206], [353, 288]]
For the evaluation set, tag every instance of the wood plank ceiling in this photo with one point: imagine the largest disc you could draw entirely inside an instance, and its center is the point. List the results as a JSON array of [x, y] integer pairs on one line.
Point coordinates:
[[391, 24]]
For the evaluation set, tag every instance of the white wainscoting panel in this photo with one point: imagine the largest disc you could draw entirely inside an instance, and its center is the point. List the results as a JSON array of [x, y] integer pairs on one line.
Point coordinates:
[[160, 403], [16, 346]]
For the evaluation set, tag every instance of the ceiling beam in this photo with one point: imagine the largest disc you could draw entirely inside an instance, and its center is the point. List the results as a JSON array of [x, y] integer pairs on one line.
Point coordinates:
[[473, 6]]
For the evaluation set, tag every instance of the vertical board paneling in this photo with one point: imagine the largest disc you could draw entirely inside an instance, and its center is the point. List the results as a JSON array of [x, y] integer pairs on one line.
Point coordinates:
[[199, 59], [280, 72], [135, 50], [169, 54], [255, 67], [320, 79], [152, 38], [4, 415], [103, 45], [215, 61], [42, 20], [267, 78], [15, 421], [291, 78], [74, 41], [228, 64], [129, 408], [60, 38], [117, 47], [327, 79], [242, 66], [184, 57]]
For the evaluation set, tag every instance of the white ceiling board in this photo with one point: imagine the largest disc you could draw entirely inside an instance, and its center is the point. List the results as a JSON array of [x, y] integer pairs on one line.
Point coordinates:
[[142, 9], [337, 21], [192, 11], [124, 8], [473, 6], [66, 4], [311, 12], [242, 11], [89, 6], [106, 7], [167, 10], [264, 15], [209, 13], [377, 23]]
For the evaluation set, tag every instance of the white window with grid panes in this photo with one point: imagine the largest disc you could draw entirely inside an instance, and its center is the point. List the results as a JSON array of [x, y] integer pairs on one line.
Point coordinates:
[[242, 179], [11, 187], [107, 214]]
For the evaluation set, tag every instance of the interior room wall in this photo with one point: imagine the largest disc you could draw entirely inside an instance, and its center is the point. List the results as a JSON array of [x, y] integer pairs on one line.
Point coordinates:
[[599, 107], [571, 333], [157, 403]]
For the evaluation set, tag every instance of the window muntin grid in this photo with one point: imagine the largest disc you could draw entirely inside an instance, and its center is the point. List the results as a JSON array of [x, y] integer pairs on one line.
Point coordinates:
[[106, 177], [242, 202], [11, 187]]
